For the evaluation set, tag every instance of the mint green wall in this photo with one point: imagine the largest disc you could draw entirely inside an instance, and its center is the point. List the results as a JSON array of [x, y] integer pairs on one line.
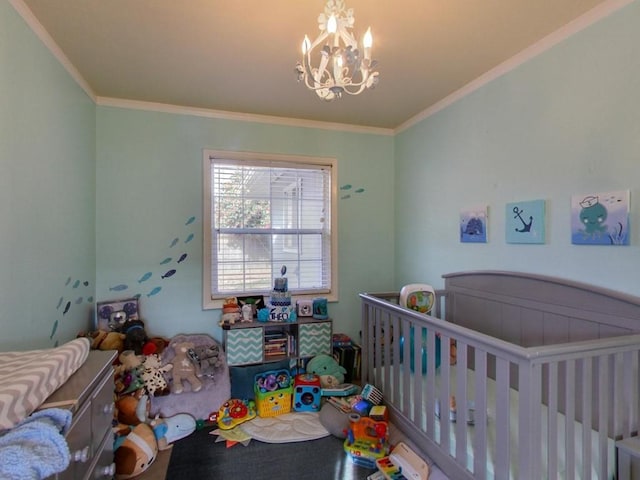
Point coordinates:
[[566, 122], [149, 184], [47, 201]]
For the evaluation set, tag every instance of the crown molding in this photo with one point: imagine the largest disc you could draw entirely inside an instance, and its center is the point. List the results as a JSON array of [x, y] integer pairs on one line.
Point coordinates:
[[585, 20], [241, 117]]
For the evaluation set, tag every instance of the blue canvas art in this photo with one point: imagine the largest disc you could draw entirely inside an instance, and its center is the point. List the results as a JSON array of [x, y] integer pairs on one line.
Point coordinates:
[[600, 218], [473, 225], [524, 222]]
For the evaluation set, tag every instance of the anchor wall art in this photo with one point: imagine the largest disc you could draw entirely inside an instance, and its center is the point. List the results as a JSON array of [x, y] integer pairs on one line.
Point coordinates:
[[600, 218], [473, 225], [525, 222]]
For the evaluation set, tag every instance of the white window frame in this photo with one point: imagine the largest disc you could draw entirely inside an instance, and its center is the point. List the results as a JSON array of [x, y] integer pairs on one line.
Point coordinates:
[[210, 302]]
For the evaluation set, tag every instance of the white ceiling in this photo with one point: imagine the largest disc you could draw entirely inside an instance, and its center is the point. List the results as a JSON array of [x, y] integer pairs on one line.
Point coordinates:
[[239, 55]]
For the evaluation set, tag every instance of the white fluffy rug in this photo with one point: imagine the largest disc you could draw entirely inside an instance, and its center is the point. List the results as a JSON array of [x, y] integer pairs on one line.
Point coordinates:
[[285, 428]]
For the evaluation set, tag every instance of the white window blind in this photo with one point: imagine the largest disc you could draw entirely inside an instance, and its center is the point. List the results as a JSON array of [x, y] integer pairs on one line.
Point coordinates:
[[266, 214]]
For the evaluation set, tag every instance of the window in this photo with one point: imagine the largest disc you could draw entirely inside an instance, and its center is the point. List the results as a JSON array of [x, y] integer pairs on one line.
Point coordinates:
[[262, 212]]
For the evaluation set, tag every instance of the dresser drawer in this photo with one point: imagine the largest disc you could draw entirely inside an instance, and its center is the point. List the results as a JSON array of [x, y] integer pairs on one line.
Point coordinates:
[[104, 467], [79, 441], [101, 412]]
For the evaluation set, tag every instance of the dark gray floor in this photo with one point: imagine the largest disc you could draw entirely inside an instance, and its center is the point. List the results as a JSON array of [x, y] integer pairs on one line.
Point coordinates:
[[199, 456]]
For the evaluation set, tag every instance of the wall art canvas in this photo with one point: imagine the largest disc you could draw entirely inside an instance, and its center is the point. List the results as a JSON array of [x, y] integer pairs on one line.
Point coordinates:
[[473, 225], [525, 222], [600, 218]]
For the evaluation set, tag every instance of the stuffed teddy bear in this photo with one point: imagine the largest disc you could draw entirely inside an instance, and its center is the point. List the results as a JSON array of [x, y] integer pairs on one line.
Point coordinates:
[[328, 369], [184, 368], [207, 358], [135, 449], [152, 375]]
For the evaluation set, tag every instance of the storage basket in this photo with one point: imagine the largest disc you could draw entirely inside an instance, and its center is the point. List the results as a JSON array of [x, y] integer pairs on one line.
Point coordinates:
[[273, 390]]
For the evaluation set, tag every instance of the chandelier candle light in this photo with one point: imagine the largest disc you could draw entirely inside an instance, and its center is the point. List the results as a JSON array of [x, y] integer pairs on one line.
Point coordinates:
[[343, 67]]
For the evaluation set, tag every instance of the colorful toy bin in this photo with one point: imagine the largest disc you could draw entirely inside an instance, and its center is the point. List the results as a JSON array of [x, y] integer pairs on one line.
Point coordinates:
[[273, 390], [307, 393]]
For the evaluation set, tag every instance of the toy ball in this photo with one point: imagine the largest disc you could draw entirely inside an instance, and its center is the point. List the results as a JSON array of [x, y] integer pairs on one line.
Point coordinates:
[[423, 350]]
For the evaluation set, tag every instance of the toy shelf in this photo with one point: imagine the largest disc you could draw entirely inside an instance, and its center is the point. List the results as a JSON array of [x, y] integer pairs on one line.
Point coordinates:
[[247, 343]]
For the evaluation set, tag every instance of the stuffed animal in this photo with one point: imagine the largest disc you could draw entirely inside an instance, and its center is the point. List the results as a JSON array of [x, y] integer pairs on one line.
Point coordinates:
[[155, 345], [133, 409], [172, 429], [152, 375], [103, 340], [207, 358], [230, 311], [128, 375], [134, 451], [136, 336], [328, 369], [184, 368]]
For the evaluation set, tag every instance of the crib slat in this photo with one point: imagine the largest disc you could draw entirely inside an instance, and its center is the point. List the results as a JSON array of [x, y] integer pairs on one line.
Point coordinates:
[[603, 395], [552, 422], [480, 433], [417, 376], [406, 373], [529, 439], [431, 400], [570, 415], [461, 392], [503, 423], [587, 412]]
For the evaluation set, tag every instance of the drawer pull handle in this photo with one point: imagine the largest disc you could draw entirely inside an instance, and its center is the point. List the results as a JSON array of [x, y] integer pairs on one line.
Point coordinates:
[[81, 455], [108, 409], [108, 471]]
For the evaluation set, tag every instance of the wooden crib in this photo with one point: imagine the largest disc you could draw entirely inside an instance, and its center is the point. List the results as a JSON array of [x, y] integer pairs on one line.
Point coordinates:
[[543, 371]]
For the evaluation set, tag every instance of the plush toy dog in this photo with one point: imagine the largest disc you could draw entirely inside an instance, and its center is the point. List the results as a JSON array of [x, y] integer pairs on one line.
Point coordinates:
[[328, 369], [184, 368], [153, 375]]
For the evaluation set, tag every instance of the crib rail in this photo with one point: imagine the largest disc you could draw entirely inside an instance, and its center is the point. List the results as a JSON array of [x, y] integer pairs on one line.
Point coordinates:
[[571, 401]]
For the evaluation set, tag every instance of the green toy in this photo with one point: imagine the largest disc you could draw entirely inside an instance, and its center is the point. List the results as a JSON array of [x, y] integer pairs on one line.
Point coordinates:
[[328, 369]]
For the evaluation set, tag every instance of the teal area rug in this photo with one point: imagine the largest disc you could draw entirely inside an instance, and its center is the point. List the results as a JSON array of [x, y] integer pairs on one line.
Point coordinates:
[[199, 456]]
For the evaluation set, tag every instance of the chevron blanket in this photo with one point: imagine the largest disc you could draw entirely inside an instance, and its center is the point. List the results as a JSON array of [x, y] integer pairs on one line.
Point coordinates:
[[27, 378]]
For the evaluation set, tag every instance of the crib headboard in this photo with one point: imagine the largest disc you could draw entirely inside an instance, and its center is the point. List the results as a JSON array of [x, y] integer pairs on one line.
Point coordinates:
[[532, 310]]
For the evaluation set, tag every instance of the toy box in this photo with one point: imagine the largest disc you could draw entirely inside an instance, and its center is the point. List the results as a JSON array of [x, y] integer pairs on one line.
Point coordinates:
[[307, 393], [273, 390]]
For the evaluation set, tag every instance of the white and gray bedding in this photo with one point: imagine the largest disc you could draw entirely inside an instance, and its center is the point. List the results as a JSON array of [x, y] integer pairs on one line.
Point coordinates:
[[27, 378]]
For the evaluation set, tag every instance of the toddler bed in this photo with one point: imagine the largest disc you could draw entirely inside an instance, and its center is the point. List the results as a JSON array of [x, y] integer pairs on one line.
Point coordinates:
[[544, 373]]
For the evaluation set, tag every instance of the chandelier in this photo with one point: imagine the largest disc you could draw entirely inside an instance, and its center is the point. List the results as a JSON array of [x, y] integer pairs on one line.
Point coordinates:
[[342, 67]]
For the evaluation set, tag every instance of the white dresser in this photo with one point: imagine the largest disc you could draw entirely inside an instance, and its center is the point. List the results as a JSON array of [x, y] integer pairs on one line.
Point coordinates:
[[88, 393]]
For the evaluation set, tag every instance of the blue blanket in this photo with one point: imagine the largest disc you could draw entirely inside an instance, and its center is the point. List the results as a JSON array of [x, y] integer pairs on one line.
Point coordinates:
[[36, 447]]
